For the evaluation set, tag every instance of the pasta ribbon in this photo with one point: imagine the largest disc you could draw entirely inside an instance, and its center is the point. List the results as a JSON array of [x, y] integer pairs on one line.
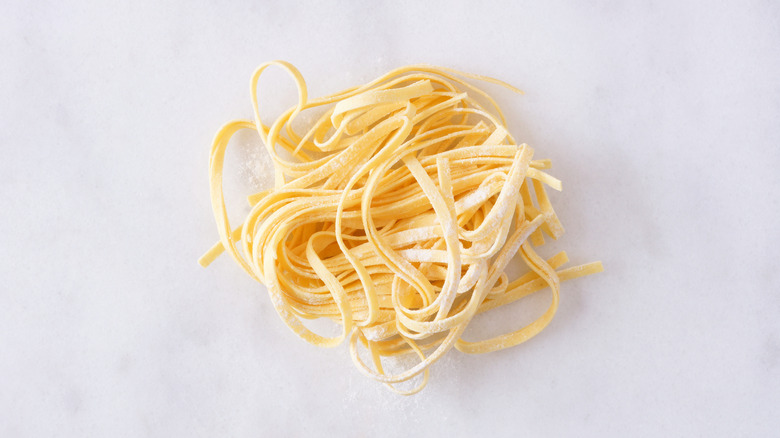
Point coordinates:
[[395, 215]]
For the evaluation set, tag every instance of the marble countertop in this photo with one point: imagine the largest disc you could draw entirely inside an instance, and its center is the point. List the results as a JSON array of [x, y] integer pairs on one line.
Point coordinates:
[[660, 118]]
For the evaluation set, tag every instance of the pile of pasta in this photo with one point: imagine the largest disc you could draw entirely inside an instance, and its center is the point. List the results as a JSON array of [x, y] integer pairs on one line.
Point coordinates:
[[395, 215]]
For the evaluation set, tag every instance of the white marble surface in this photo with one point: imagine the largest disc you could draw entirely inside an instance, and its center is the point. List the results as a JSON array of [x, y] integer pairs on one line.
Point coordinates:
[[661, 119]]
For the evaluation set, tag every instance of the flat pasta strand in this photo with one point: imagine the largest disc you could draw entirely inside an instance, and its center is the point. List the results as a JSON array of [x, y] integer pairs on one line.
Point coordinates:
[[395, 216]]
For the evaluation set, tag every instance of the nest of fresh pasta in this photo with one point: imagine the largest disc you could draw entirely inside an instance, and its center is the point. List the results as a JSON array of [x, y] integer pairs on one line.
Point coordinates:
[[395, 215]]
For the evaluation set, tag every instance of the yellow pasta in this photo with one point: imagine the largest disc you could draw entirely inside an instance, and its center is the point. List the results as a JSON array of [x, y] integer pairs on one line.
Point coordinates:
[[394, 215]]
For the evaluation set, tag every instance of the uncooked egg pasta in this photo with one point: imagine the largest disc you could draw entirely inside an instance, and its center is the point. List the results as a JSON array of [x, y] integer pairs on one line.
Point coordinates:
[[395, 215]]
